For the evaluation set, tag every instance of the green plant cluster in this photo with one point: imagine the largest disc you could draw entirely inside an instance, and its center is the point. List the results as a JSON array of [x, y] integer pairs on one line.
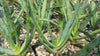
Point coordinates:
[[73, 17]]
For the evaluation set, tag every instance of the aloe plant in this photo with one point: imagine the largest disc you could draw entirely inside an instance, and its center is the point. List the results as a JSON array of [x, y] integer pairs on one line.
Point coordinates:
[[58, 44], [38, 16], [95, 19], [11, 31]]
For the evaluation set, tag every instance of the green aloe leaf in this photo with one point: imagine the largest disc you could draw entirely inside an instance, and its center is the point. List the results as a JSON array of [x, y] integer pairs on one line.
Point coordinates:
[[3, 31], [89, 47], [7, 51]]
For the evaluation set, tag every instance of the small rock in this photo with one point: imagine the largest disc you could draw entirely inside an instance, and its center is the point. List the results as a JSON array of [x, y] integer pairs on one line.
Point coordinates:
[[51, 54]]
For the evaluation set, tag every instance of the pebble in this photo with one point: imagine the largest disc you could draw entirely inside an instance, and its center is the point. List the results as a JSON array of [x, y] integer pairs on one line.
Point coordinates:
[[98, 35], [82, 34], [51, 54], [22, 36]]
